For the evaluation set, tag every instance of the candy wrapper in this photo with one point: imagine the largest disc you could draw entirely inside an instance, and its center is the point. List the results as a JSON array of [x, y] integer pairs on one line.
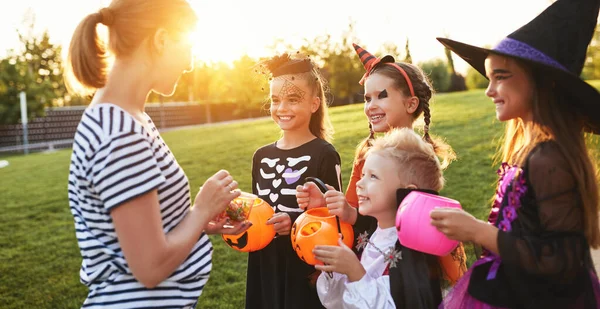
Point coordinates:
[[239, 209]]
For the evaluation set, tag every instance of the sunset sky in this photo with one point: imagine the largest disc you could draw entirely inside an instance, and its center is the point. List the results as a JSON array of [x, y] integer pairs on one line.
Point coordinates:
[[231, 28]]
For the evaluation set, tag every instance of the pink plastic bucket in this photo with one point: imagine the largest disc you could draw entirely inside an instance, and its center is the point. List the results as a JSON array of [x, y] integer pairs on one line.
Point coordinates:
[[414, 223]]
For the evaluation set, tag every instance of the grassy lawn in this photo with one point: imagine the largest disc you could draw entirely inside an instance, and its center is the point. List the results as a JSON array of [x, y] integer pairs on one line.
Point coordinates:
[[39, 258]]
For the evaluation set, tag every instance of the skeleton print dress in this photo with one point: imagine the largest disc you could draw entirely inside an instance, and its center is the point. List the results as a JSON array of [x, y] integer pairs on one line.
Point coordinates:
[[277, 278]]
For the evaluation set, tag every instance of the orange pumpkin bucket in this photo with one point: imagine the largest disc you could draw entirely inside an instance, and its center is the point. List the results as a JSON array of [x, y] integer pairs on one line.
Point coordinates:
[[454, 264], [318, 227], [259, 235]]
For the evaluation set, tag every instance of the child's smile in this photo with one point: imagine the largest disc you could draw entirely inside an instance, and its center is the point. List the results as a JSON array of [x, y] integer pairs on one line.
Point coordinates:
[[376, 190], [290, 106]]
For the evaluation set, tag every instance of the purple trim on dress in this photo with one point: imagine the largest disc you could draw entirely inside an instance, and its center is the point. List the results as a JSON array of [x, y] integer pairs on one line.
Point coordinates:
[[508, 174], [522, 50]]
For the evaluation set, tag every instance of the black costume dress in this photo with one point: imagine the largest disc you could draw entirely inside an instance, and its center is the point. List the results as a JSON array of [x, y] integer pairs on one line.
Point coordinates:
[[544, 259], [277, 278]]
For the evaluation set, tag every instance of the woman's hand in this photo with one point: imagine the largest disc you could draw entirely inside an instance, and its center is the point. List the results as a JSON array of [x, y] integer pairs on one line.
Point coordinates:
[[281, 223], [216, 194], [309, 196], [339, 259], [337, 205]]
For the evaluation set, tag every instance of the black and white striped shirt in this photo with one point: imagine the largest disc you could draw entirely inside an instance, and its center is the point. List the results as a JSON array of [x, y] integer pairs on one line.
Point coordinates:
[[115, 159]]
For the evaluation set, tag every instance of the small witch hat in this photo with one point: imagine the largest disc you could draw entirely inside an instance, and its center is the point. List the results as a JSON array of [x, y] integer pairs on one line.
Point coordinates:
[[555, 42], [284, 64], [369, 61]]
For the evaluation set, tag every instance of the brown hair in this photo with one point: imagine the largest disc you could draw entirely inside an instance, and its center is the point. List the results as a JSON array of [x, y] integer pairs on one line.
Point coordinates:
[[130, 23], [423, 91], [320, 124], [419, 163], [554, 119]]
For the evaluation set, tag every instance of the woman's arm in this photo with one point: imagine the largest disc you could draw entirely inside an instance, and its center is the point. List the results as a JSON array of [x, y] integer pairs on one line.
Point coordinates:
[[153, 255]]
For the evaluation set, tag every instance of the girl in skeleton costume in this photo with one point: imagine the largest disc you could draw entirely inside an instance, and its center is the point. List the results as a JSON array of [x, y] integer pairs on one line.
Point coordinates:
[[386, 274], [277, 278], [396, 94], [545, 214]]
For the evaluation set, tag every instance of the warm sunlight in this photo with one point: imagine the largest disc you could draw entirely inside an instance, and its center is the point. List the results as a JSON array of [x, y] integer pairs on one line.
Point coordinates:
[[223, 46], [242, 29], [229, 29]]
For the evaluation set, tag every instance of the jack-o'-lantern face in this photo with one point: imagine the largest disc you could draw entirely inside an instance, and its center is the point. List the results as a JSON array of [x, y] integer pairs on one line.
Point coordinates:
[[259, 235], [317, 227], [240, 242]]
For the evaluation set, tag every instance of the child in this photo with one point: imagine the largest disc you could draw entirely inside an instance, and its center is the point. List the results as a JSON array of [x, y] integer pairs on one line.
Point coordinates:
[[277, 277], [142, 241], [395, 164], [545, 215], [396, 94]]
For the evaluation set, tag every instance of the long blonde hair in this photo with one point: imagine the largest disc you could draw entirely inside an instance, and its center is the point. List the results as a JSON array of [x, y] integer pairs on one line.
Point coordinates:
[[554, 119], [129, 23]]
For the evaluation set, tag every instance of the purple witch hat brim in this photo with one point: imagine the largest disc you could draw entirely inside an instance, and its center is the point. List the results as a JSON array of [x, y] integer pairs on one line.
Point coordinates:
[[475, 56], [522, 50], [587, 95]]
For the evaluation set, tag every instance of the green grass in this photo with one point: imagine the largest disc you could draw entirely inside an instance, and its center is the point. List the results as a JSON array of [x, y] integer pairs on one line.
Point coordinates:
[[39, 257]]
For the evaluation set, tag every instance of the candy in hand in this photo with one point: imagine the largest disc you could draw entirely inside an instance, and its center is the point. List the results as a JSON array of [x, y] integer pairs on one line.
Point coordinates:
[[239, 208]]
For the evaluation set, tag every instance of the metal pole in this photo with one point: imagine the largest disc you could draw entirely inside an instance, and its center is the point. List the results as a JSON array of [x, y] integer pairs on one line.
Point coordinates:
[[24, 121]]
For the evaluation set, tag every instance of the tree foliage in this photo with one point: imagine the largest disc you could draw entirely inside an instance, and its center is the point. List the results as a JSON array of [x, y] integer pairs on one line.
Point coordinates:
[[475, 80], [37, 69]]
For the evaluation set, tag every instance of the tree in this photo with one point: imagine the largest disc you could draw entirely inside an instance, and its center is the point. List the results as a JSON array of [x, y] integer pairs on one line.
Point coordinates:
[[37, 70], [475, 80], [457, 81], [591, 69], [437, 71], [407, 57], [389, 48], [339, 64], [249, 87]]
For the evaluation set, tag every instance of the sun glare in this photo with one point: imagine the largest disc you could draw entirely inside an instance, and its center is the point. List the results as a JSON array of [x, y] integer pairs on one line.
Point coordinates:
[[207, 47], [222, 37]]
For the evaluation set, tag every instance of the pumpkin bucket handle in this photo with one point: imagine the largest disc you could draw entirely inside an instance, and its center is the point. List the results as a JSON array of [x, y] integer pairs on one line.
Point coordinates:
[[321, 185]]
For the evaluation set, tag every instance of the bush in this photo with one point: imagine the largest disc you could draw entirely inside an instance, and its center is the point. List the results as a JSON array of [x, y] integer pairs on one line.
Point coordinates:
[[437, 71], [475, 80]]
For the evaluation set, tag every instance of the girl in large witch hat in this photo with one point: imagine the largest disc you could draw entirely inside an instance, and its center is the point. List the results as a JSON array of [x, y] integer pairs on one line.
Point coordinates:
[[545, 215]]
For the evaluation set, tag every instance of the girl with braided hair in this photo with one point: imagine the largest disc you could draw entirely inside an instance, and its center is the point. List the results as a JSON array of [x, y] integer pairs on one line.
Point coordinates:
[[396, 94]]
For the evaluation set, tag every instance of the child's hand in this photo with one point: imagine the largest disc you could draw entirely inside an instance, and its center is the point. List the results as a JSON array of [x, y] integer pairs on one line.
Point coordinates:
[[339, 259], [337, 205], [455, 223], [281, 223], [224, 226], [309, 196]]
